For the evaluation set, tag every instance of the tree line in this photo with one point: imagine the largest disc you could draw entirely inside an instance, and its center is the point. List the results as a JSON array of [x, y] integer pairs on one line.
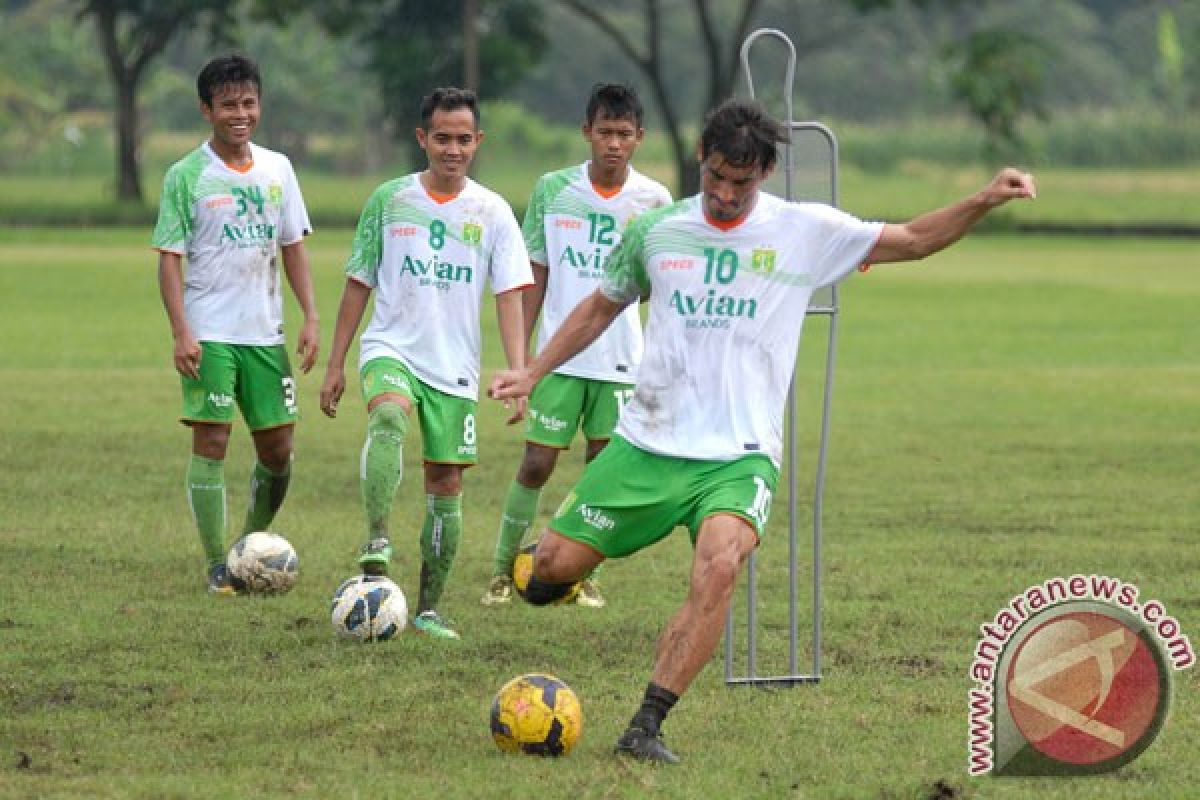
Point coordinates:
[[1001, 61]]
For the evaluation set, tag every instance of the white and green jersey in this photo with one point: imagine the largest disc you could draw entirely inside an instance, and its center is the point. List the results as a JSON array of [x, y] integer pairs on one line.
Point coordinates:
[[428, 262], [230, 225], [571, 229], [726, 309]]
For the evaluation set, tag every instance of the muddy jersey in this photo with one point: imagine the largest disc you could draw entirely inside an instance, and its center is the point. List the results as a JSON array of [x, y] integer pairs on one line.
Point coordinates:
[[229, 224], [726, 310], [571, 229], [427, 262]]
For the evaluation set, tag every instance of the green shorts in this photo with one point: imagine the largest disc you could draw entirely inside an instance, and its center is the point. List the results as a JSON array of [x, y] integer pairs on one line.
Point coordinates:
[[447, 421], [628, 499], [257, 379], [559, 402]]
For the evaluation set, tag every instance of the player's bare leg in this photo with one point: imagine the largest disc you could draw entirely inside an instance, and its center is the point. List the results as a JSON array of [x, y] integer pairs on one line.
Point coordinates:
[[690, 638]]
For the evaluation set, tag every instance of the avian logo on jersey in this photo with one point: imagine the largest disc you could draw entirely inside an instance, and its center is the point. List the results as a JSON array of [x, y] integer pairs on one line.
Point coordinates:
[[249, 235], [596, 518], [712, 310], [589, 264], [436, 272], [547, 421]]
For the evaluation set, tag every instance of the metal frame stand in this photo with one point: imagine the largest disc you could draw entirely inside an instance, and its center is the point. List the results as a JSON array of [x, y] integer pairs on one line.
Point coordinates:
[[821, 307]]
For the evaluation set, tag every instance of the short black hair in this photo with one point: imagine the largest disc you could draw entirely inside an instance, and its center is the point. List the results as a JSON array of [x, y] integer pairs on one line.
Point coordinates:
[[448, 98], [617, 101], [230, 70], [743, 133]]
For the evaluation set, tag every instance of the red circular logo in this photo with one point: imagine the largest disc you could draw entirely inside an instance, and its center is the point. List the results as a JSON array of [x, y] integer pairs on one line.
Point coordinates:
[[1084, 688]]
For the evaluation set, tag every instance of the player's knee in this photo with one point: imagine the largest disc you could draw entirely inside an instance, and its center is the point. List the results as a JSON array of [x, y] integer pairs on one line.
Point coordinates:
[[536, 467], [543, 593], [390, 419]]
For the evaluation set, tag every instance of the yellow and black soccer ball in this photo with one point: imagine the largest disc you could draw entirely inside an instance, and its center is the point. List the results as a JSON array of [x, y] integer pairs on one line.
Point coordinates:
[[523, 571], [536, 714]]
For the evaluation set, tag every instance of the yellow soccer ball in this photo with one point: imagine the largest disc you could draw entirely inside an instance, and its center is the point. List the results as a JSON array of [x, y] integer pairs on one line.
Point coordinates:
[[523, 571], [536, 714]]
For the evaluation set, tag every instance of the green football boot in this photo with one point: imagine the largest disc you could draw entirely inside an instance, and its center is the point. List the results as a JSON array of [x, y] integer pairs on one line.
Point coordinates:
[[375, 556], [431, 623]]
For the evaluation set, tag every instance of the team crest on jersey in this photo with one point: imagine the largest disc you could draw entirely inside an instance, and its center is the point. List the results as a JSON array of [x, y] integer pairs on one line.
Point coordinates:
[[472, 233], [762, 260], [275, 194]]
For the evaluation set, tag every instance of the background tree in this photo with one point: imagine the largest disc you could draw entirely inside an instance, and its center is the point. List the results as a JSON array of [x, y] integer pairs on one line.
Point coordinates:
[[133, 33], [651, 57], [413, 46], [47, 75], [998, 75]]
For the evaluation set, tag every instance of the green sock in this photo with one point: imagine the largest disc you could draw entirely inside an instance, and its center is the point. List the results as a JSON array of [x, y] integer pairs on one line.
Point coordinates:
[[381, 465], [439, 544], [267, 491], [206, 496], [520, 508]]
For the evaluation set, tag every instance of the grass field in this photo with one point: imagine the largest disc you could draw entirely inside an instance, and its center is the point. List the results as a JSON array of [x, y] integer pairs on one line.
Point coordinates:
[[1013, 410], [1112, 197]]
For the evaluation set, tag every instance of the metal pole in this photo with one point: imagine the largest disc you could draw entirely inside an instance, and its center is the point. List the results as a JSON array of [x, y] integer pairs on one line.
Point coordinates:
[[793, 677]]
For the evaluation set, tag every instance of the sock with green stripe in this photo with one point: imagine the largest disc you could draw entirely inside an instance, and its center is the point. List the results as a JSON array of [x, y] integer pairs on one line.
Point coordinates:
[[206, 497], [520, 509], [267, 490], [381, 465], [439, 544]]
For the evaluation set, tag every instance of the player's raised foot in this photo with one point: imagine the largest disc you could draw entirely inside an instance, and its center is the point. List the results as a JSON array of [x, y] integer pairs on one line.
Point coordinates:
[[375, 556], [220, 582], [637, 743], [499, 591], [589, 595], [431, 623]]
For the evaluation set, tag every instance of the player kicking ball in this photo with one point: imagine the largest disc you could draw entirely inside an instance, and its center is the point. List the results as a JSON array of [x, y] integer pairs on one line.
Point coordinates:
[[575, 219], [728, 275]]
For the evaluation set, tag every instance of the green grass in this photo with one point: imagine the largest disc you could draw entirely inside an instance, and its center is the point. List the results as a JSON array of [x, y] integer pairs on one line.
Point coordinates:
[[1016, 409], [1097, 197]]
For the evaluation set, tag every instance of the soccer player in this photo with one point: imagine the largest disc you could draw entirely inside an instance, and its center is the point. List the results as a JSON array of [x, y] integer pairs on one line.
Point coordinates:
[[575, 218], [232, 208], [728, 274], [426, 243]]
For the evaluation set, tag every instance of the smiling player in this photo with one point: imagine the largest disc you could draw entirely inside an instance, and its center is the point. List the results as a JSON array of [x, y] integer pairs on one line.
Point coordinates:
[[426, 244], [232, 207]]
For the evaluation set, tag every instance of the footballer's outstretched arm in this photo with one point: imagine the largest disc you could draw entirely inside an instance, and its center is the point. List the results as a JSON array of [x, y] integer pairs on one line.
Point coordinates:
[[582, 326], [937, 230]]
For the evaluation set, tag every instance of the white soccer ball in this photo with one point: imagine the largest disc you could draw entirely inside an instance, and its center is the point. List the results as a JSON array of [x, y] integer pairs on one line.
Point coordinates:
[[266, 563], [370, 608]]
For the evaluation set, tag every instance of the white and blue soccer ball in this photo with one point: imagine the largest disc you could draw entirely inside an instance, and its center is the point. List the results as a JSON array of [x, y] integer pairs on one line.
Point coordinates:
[[263, 563], [370, 608]]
